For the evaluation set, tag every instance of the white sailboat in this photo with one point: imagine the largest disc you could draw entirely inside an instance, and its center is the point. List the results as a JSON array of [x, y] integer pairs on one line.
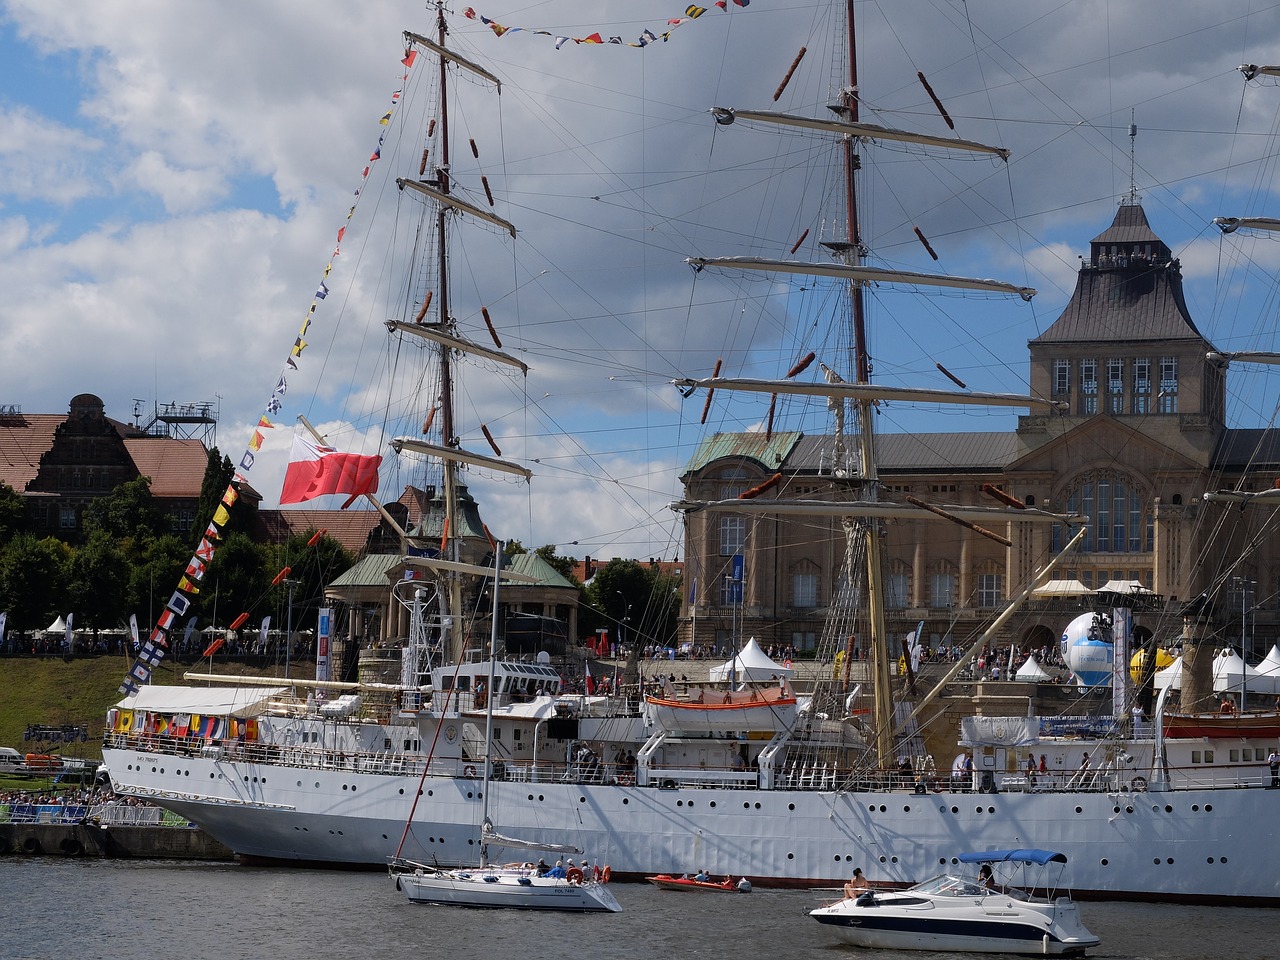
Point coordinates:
[[516, 886]]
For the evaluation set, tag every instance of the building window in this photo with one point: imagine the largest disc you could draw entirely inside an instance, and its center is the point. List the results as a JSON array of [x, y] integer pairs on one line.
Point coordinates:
[[1088, 388], [1115, 386], [1141, 403], [732, 534], [730, 590], [1120, 522], [804, 590], [1061, 378], [804, 641], [1168, 384], [896, 590], [942, 590], [67, 518], [990, 590]]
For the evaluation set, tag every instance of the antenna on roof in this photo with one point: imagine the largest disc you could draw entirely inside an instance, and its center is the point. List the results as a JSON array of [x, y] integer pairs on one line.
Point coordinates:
[[1132, 199]]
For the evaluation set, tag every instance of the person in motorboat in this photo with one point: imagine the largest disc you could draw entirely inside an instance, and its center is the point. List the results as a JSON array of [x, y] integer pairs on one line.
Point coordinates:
[[987, 877], [856, 884], [701, 876]]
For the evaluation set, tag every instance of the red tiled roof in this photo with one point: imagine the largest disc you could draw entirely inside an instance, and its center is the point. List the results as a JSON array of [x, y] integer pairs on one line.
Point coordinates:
[[176, 467], [24, 438], [349, 527]]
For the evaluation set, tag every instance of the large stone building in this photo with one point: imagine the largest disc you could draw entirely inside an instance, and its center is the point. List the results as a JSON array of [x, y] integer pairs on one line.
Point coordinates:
[[1139, 439]]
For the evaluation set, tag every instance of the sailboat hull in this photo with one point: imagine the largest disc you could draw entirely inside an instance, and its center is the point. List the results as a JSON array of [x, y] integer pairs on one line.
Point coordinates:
[[505, 889], [1186, 845]]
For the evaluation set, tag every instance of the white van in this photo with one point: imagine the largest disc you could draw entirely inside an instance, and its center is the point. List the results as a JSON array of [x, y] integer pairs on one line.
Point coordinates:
[[10, 760]]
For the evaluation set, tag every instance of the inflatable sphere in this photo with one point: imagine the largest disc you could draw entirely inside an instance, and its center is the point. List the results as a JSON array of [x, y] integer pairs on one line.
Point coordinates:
[[1087, 654], [1163, 659]]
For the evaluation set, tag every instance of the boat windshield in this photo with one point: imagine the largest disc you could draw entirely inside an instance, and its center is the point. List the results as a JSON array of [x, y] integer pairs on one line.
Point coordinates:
[[952, 886]]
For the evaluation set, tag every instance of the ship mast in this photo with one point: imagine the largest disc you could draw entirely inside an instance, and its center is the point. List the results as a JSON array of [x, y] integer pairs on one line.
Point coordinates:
[[854, 255], [452, 615]]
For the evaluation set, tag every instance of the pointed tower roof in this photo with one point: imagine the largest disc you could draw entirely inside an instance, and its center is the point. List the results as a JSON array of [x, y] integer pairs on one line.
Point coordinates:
[[1130, 289]]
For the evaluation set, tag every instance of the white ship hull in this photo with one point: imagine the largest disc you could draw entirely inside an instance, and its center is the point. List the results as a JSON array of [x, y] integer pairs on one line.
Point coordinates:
[[1186, 845]]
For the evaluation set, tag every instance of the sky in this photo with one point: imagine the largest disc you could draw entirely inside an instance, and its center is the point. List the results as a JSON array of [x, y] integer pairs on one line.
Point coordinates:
[[174, 177]]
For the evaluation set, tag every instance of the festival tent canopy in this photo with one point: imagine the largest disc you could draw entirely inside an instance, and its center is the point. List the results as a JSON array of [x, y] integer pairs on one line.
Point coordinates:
[[1061, 588], [1031, 672], [58, 626], [1170, 676], [1125, 586], [1231, 674], [750, 663], [1269, 672]]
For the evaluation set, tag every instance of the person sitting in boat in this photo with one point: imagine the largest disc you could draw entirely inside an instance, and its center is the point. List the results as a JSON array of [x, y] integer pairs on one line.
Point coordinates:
[[542, 869], [856, 884], [702, 876], [558, 872], [986, 877]]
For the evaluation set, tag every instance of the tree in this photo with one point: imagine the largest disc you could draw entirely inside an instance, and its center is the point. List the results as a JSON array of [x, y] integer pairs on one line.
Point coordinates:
[[311, 567], [33, 577], [13, 514], [153, 576], [129, 512], [218, 473], [563, 565], [238, 577], [98, 582]]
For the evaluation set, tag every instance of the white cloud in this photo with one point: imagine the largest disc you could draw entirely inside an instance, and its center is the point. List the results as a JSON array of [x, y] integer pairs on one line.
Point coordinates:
[[162, 236]]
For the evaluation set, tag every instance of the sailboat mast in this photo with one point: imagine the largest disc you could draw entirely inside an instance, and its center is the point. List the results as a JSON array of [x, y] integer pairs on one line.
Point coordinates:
[[878, 640], [488, 713], [450, 476]]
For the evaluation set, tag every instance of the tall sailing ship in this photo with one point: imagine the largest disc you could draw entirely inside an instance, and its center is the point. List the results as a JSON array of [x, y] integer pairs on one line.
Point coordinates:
[[784, 787]]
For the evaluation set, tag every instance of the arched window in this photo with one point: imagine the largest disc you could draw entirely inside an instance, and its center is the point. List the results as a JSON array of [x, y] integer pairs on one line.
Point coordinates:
[[1120, 521]]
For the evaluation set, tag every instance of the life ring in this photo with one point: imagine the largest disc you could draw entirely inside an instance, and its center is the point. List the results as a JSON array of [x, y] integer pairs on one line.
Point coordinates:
[[1139, 784], [606, 874], [469, 772], [574, 875]]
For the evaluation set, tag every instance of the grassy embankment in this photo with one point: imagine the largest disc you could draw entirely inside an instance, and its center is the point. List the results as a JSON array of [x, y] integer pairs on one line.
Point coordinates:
[[55, 692]]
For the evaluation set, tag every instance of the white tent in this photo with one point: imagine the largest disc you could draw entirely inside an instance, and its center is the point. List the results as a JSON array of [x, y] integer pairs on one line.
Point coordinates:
[[1170, 676], [1231, 674], [1269, 672], [1061, 588], [1132, 587], [1031, 672], [58, 626], [749, 663]]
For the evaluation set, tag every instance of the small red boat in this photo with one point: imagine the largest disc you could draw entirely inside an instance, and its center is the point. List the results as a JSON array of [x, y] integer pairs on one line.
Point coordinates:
[[666, 882]]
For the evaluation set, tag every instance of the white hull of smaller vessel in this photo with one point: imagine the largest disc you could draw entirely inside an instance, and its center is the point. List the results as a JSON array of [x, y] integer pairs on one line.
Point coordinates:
[[506, 889]]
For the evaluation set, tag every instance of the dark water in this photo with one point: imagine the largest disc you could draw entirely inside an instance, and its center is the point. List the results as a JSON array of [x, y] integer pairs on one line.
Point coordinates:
[[91, 909]]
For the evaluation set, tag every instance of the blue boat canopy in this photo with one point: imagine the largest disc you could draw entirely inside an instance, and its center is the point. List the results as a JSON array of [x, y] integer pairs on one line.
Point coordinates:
[[1019, 856]]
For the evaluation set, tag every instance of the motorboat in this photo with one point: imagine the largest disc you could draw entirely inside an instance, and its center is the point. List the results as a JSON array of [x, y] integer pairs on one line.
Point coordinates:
[[965, 913], [665, 881]]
